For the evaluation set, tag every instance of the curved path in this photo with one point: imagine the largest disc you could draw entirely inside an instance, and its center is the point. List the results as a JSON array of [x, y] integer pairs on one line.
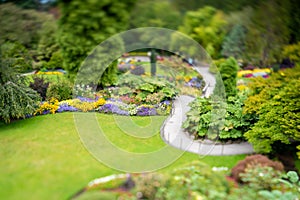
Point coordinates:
[[174, 135], [209, 79]]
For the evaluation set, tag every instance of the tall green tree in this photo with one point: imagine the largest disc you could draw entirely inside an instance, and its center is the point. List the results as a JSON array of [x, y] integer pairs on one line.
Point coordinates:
[[294, 22], [151, 13], [228, 71], [85, 24], [234, 42], [268, 32], [224, 5], [206, 26], [17, 55], [48, 50], [19, 25]]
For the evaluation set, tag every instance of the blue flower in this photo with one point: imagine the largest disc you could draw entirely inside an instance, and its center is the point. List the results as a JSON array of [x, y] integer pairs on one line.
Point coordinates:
[[146, 111], [85, 99], [65, 107], [113, 109]]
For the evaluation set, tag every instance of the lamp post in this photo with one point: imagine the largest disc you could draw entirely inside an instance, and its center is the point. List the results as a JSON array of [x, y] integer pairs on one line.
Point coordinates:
[[153, 62]]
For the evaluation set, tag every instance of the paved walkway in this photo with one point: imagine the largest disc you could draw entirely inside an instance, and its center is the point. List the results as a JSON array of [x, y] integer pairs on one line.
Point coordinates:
[[174, 135], [208, 78]]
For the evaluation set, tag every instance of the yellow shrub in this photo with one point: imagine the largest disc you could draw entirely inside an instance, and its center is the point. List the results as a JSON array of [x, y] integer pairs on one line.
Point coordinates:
[[267, 70], [69, 102], [86, 106], [187, 78], [50, 106], [242, 87], [243, 72], [50, 73], [99, 103]]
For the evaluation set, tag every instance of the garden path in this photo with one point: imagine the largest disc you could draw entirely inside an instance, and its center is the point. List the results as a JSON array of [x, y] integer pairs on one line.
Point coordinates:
[[174, 135]]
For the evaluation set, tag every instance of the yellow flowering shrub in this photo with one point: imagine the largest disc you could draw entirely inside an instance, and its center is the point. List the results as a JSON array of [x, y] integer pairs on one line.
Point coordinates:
[[51, 73], [86, 106], [69, 101], [187, 78], [50, 106], [242, 87], [243, 72], [267, 70], [292, 52], [99, 102]]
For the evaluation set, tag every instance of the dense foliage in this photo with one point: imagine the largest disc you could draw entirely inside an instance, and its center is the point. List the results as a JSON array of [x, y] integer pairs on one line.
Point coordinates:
[[267, 32], [17, 100], [151, 13], [234, 42], [85, 24], [20, 25], [228, 71], [61, 90], [206, 26], [275, 103], [145, 89], [192, 181], [200, 119], [17, 54]]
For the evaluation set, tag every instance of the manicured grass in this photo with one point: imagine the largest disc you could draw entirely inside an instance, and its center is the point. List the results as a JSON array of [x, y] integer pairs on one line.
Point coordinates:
[[43, 157]]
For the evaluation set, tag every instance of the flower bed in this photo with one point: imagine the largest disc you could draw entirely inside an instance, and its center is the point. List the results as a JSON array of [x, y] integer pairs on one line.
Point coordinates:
[[132, 95], [254, 73], [109, 106]]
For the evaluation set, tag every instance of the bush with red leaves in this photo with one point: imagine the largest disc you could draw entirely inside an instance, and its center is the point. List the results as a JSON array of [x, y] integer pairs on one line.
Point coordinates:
[[40, 85], [253, 161]]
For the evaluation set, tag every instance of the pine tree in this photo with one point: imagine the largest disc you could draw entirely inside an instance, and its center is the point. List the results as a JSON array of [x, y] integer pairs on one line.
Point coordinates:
[[228, 74], [16, 99], [234, 43]]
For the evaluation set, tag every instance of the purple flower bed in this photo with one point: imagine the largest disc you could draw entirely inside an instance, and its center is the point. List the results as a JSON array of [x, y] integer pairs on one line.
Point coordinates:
[[146, 111], [85, 99], [45, 112], [194, 82], [65, 107], [113, 109], [166, 102]]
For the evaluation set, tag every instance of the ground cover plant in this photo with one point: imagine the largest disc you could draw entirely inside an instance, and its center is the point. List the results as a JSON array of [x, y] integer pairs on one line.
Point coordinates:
[[199, 119], [260, 179]]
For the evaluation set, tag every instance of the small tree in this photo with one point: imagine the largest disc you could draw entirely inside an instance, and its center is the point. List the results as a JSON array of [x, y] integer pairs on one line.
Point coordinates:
[[234, 43], [228, 71], [16, 99]]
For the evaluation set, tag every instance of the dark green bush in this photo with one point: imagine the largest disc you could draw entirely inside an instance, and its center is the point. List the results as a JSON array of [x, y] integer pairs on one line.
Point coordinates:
[[61, 90]]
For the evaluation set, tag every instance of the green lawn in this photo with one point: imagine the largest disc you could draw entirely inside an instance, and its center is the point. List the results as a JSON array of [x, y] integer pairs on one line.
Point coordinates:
[[43, 157]]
